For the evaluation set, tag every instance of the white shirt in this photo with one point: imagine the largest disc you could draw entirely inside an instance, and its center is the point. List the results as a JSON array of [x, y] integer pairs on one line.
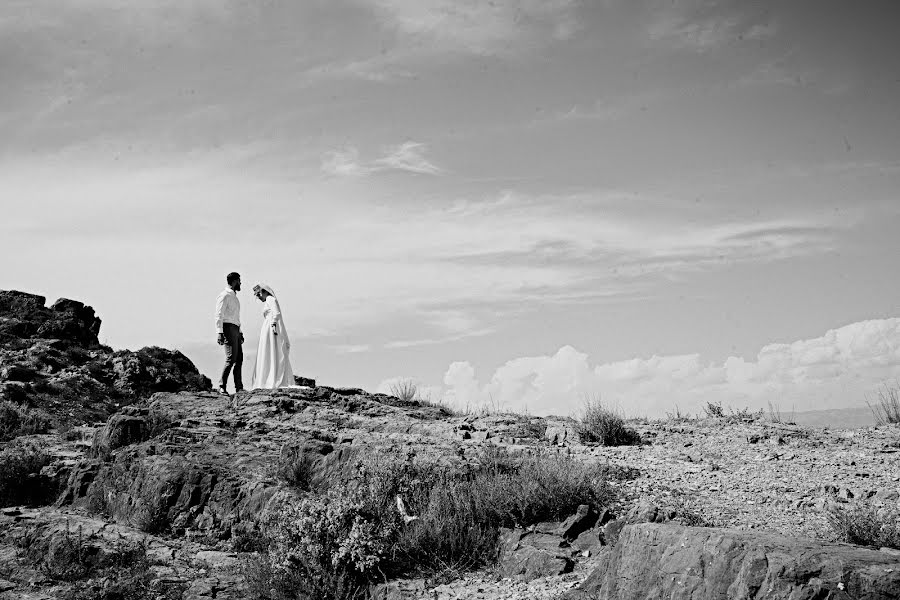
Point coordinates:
[[228, 309]]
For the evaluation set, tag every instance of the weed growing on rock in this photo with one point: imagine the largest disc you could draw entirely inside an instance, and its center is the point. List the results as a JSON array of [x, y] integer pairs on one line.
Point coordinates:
[[21, 481], [866, 524], [18, 420], [886, 407], [605, 426]]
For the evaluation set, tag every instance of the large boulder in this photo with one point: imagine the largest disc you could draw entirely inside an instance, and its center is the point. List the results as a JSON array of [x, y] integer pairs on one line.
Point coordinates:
[[654, 560]]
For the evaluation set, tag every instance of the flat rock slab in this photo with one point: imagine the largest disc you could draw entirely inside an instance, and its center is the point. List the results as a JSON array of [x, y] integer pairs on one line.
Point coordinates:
[[693, 563]]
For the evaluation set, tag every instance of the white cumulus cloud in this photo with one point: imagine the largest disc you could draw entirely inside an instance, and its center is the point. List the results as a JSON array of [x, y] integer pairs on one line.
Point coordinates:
[[835, 370]]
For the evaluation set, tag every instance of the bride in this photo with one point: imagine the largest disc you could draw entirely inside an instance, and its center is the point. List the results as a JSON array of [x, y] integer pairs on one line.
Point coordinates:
[[273, 361]]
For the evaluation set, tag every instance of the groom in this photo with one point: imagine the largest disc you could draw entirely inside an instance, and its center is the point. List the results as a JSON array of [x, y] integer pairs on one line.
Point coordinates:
[[228, 326]]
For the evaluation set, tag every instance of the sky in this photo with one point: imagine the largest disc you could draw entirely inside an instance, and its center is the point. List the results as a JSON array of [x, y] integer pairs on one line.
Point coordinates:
[[519, 204]]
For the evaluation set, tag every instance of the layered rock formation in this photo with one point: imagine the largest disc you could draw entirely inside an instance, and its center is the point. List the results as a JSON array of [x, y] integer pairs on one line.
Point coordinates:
[[51, 360], [671, 561]]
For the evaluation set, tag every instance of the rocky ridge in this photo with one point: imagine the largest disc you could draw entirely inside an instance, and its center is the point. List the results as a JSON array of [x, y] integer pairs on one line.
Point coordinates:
[[187, 476], [191, 472], [51, 361]]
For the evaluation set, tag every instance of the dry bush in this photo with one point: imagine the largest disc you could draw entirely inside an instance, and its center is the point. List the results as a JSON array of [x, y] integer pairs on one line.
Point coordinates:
[[18, 420], [866, 524], [21, 481], [405, 390], [714, 410], [605, 426], [886, 407], [333, 545]]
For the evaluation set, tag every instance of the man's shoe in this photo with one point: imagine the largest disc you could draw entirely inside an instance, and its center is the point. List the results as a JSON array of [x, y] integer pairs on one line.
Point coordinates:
[[223, 390], [238, 390]]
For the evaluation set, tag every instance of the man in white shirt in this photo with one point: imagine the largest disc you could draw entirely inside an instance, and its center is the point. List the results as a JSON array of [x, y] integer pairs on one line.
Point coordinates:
[[228, 326]]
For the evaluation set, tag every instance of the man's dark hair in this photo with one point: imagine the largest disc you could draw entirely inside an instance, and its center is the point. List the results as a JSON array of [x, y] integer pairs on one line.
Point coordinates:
[[231, 277]]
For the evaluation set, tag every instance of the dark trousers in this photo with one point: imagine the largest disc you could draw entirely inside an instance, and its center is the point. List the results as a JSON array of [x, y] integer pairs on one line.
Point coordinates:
[[234, 355]]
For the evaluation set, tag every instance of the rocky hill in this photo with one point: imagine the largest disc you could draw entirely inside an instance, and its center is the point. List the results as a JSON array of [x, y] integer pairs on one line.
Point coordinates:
[[53, 366], [194, 495]]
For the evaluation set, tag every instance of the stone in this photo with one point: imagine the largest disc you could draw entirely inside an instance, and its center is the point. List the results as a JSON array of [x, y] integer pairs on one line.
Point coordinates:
[[589, 541], [886, 495], [528, 555], [215, 559], [706, 563], [582, 520], [561, 433], [481, 436], [411, 589], [120, 430], [612, 530]]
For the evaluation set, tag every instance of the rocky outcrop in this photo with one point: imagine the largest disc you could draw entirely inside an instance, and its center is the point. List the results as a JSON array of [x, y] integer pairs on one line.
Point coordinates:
[[671, 561], [207, 464], [51, 361]]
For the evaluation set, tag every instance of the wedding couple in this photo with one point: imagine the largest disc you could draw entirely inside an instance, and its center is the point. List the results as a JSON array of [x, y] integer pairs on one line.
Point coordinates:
[[273, 361]]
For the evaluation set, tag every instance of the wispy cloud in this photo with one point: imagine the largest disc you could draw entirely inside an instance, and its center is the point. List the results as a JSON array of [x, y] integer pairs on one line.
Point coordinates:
[[692, 31], [474, 26], [351, 348], [408, 157]]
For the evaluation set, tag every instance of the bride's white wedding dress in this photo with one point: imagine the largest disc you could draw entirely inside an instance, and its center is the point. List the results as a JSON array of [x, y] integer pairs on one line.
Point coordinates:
[[273, 361]]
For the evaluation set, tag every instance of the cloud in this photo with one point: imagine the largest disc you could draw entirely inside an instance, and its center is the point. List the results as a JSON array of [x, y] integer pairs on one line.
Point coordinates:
[[408, 157], [834, 370], [474, 26], [702, 33], [351, 348], [151, 21]]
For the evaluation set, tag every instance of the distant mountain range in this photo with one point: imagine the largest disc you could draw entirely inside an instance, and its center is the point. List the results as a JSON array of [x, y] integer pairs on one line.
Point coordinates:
[[837, 418]]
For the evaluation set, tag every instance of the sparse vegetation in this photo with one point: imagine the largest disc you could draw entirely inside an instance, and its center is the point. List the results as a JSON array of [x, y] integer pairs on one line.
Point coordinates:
[[21, 481], [714, 410], [18, 420], [95, 570], [605, 426], [866, 524], [678, 416], [332, 545], [886, 407], [775, 415], [405, 390]]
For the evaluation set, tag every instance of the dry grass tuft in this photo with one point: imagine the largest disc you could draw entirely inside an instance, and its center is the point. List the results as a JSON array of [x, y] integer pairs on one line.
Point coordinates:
[[866, 524], [886, 407], [605, 426]]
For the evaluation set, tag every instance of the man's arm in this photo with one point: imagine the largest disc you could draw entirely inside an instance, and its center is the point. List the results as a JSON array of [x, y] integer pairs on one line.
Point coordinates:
[[220, 318]]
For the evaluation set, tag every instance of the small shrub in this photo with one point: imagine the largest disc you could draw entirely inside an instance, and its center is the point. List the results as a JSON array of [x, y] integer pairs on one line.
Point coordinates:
[[887, 406], [866, 525], [405, 390], [21, 481], [714, 410], [678, 416], [602, 425], [19, 420]]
